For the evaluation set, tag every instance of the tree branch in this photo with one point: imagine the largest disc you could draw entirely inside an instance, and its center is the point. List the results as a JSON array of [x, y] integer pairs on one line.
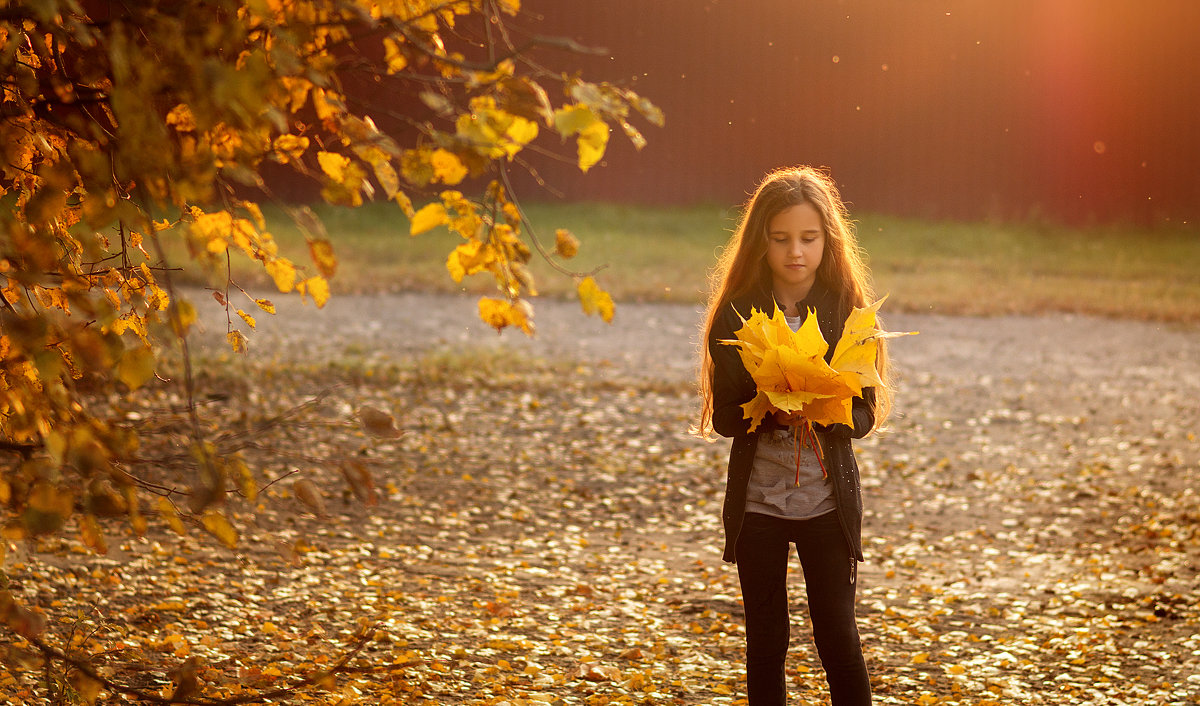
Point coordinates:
[[494, 62], [53, 654]]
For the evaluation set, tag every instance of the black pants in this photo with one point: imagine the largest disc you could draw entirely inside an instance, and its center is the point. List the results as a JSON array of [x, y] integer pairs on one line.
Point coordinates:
[[763, 547]]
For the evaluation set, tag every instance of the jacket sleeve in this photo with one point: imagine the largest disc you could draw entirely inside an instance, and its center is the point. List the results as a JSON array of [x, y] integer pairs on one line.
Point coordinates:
[[862, 411], [732, 385]]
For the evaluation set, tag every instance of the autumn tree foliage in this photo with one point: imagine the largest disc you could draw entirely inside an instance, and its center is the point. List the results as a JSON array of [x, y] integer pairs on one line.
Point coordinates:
[[131, 130]]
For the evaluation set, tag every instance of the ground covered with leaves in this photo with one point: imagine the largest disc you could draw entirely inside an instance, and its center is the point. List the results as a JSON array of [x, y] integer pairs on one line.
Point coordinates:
[[544, 530]]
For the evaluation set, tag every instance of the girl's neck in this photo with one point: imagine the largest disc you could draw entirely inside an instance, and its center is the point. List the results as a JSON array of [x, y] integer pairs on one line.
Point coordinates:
[[788, 298]]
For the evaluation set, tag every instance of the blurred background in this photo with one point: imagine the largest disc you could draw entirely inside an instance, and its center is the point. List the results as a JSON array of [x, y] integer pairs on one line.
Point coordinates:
[[1080, 112]]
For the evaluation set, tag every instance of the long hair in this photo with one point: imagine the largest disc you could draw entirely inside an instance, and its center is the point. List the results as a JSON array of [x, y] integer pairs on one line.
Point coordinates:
[[742, 267]]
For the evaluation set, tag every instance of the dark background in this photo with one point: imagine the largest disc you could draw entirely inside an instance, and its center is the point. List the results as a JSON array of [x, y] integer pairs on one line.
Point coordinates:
[[1078, 111]]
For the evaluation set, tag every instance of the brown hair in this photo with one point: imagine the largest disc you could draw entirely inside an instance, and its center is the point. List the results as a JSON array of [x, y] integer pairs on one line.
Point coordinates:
[[742, 266]]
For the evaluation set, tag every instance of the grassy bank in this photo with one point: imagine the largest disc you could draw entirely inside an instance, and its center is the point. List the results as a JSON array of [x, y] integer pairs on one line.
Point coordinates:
[[664, 254]]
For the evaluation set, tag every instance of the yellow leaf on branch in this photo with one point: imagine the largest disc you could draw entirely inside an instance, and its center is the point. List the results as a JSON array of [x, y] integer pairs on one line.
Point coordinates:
[[429, 217], [47, 510], [167, 510], [136, 366], [219, 526], [493, 132], [592, 132], [283, 272], [334, 165], [565, 244], [393, 56], [388, 180], [323, 257], [595, 300], [237, 341], [470, 257], [180, 117], [593, 140], [447, 167], [317, 288], [91, 534], [307, 493], [183, 315], [289, 147], [499, 314]]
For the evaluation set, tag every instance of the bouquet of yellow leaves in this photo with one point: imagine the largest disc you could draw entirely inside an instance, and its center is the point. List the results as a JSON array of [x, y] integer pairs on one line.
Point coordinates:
[[791, 374]]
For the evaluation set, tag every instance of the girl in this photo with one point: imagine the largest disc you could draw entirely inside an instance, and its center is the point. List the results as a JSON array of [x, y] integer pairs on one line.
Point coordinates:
[[794, 250]]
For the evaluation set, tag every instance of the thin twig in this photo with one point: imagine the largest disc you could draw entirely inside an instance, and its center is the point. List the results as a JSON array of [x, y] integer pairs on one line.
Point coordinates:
[[546, 255]]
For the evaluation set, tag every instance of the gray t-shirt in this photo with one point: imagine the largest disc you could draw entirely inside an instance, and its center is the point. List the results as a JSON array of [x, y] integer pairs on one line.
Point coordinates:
[[773, 488]]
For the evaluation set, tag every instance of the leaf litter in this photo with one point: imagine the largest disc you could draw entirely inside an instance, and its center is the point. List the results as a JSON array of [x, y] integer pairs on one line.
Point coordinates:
[[523, 530]]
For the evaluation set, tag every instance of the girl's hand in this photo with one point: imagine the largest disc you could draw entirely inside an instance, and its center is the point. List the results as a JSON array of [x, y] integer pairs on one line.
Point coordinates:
[[788, 419]]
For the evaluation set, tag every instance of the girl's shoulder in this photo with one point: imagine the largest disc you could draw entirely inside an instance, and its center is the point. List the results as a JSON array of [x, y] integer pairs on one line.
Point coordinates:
[[759, 299], [730, 316]]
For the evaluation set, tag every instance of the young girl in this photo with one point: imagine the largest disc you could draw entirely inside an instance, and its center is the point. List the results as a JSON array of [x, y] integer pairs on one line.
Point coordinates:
[[793, 250]]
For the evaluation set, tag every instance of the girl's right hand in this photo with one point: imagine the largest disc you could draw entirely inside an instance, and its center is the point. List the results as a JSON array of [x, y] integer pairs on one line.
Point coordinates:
[[788, 419]]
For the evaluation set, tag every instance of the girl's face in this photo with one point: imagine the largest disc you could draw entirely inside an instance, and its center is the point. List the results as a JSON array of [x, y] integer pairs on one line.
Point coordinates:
[[795, 244]]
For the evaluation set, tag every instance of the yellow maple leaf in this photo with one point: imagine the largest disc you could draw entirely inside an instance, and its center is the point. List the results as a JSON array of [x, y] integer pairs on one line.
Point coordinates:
[[758, 408], [790, 371], [858, 347], [92, 535]]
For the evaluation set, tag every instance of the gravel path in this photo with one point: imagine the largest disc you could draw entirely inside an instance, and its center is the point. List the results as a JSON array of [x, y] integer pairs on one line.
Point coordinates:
[[1043, 392], [659, 340]]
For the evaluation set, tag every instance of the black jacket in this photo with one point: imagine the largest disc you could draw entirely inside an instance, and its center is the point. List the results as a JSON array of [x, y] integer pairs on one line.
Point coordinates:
[[732, 387]]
